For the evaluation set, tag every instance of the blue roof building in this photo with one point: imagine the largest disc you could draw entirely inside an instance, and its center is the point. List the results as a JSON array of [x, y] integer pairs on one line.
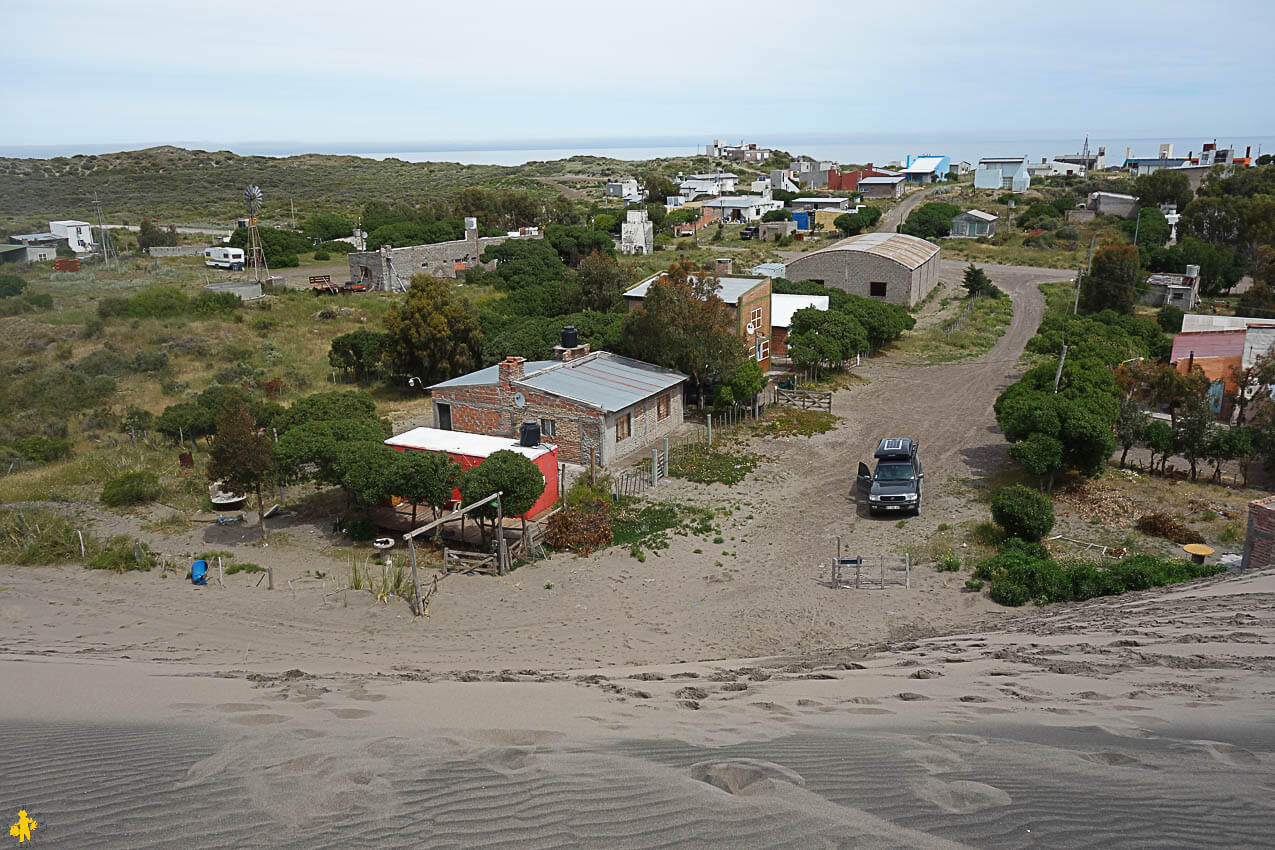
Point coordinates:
[[926, 168]]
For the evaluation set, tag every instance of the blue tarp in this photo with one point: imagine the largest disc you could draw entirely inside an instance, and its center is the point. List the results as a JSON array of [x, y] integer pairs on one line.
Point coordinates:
[[199, 572]]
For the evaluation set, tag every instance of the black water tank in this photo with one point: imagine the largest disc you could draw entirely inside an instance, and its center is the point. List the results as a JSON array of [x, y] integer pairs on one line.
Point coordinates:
[[570, 337], [529, 434]]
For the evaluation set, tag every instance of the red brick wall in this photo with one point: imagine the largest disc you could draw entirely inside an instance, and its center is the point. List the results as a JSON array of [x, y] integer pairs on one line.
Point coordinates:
[[1259, 544], [490, 410], [779, 342]]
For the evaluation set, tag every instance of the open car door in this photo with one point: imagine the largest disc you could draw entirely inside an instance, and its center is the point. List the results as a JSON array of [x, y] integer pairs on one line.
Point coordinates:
[[864, 479]]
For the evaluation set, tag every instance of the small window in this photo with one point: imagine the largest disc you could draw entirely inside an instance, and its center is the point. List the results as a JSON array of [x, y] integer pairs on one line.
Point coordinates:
[[763, 348], [548, 428], [661, 407], [623, 427], [444, 416], [877, 289]]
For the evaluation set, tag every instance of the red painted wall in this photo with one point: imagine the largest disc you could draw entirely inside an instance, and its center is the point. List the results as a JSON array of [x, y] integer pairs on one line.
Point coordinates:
[[547, 463]]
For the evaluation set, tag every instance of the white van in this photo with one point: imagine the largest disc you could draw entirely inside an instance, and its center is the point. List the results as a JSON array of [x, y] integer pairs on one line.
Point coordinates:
[[224, 258]]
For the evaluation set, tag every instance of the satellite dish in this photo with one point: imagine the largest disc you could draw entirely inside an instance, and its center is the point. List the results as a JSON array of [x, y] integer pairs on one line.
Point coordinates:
[[520, 400], [751, 329]]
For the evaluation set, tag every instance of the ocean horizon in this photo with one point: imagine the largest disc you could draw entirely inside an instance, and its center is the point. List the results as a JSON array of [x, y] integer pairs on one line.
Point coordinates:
[[845, 149]]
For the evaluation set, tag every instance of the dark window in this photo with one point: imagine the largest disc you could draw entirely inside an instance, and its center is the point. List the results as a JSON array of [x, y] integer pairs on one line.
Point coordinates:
[[548, 427], [876, 289], [444, 417], [623, 427]]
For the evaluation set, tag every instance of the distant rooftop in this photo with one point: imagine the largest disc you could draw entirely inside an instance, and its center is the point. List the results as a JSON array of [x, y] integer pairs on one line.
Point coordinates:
[[463, 443], [980, 215], [880, 180], [924, 165], [908, 251], [731, 290]]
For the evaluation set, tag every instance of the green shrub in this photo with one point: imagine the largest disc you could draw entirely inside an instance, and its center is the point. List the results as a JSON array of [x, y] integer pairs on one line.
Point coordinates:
[[38, 537], [11, 285], [1067, 233], [156, 302], [122, 554], [286, 261], [949, 563], [112, 306], [1169, 318], [42, 449], [102, 362], [149, 361], [244, 568], [333, 247], [322, 255], [215, 303], [93, 327], [973, 585], [360, 529], [131, 488], [582, 493], [1023, 512]]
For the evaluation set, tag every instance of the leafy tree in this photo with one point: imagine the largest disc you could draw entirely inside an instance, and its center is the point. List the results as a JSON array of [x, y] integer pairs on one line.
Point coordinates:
[[777, 215], [358, 352], [432, 334], [851, 224], [1157, 436], [683, 324], [308, 451], [573, 243], [1039, 215], [279, 245], [185, 420], [1164, 186], [682, 216], [240, 457], [609, 222], [599, 282], [1196, 430], [1248, 381], [11, 285], [1220, 267], [744, 384], [151, 235], [1169, 318], [524, 262], [424, 477], [825, 337], [1023, 512], [1151, 228], [658, 187], [506, 472], [976, 281], [1130, 424], [326, 226], [931, 220], [1113, 280], [656, 213], [1039, 454], [327, 407]]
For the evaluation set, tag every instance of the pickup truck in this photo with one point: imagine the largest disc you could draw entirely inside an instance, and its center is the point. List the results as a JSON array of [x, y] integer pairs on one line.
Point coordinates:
[[898, 483]]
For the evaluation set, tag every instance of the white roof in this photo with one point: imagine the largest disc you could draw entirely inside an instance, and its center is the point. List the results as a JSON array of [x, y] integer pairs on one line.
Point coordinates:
[[740, 201], [730, 291], [876, 180], [924, 165], [980, 215], [70, 222], [461, 443], [1196, 322], [783, 306]]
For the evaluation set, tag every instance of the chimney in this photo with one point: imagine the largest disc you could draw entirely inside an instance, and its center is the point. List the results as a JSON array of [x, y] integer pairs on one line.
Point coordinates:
[[1248, 151], [724, 266], [510, 369]]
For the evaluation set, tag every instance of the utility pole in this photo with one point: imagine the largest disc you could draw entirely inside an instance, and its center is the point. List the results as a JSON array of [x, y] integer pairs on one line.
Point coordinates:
[[1058, 374], [1075, 307]]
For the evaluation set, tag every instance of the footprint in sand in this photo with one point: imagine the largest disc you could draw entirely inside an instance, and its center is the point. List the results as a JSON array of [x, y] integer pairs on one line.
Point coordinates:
[[1111, 758], [935, 761], [961, 797], [350, 713], [956, 743], [258, 719], [1230, 754], [236, 707], [740, 776]]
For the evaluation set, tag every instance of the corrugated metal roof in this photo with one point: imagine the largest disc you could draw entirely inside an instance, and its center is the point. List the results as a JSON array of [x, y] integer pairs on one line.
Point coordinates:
[[999, 159], [490, 376], [1228, 343], [980, 215], [5, 249], [907, 251], [870, 180], [463, 443], [732, 288], [783, 306], [1195, 322], [1168, 279], [770, 270], [603, 380]]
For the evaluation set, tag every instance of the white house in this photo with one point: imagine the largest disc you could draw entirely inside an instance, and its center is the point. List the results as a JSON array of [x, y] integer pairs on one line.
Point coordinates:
[[721, 183], [628, 189], [637, 233], [1053, 168], [78, 234], [1002, 172], [744, 207]]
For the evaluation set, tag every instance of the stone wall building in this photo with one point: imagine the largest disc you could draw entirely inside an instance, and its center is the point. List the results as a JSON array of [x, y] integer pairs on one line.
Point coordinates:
[[385, 268], [891, 267], [637, 233], [1259, 542], [595, 407]]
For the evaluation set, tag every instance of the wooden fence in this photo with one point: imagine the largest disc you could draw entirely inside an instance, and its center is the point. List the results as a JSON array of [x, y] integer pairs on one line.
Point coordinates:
[[805, 399]]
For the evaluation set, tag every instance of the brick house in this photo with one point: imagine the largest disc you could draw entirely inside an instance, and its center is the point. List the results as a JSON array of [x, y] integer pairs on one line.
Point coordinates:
[[1259, 541], [750, 298], [595, 407]]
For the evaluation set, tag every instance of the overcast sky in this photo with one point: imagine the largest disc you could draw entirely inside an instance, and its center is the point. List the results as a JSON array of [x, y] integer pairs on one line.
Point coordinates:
[[130, 72]]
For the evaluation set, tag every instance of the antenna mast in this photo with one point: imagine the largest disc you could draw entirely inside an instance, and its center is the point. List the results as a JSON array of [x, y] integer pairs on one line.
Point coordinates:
[[108, 254]]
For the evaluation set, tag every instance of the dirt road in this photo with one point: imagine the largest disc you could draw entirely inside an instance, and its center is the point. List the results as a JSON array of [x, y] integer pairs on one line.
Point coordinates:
[[892, 219]]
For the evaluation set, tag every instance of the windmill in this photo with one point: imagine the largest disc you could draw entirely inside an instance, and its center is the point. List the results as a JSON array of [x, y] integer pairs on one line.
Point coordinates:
[[252, 200]]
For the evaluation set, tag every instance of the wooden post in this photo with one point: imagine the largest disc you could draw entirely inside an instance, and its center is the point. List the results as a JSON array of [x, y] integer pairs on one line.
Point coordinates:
[[907, 569], [500, 537], [81, 536], [881, 559], [836, 567], [221, 575], [710, 429], [655, 467], [416, 585], [269, 578]]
